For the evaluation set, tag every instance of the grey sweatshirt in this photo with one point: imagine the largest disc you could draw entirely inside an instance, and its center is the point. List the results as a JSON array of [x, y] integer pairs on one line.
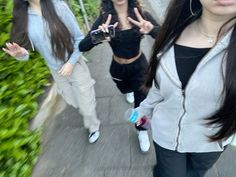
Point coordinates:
[[178, 116], [39, 35]]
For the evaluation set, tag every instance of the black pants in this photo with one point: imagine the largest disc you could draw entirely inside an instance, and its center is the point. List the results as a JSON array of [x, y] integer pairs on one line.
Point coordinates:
[[130, 77], [175, 164]]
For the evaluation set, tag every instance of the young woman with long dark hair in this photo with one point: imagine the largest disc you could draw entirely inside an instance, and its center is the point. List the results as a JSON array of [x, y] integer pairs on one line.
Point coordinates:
[[192, 76], [129, 65], [50, 27]]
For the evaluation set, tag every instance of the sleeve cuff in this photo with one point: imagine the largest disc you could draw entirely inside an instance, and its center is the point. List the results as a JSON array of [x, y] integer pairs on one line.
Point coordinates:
[[23, 58], [73, 61], [154, 32]]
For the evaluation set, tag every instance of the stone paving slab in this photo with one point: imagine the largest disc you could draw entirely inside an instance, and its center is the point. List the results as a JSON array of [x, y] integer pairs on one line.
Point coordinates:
[[213, 172], [117, 110], [226, 165], [111, 151], [84, 172], [65, 149], [128, 173], [103, 110], [105, 87]]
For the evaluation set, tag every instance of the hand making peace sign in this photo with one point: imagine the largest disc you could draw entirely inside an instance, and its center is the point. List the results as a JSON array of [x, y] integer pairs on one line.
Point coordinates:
[[144, 25], [104, 26]]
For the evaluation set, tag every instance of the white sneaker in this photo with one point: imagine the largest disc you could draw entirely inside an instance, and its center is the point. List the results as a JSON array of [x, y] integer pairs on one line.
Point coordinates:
[[143, 141], [93, 137], [130, 97]]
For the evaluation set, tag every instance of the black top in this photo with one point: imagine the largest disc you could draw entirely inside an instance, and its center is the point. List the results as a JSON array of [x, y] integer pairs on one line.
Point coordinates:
[[187, 59], [126, 43]]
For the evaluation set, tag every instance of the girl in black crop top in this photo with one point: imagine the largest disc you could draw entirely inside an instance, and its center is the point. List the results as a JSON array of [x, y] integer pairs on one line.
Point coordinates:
[[129, 65]]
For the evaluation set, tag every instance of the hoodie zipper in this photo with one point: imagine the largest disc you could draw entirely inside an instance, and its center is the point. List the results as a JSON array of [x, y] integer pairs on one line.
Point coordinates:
[[183, 102], [180, 120]]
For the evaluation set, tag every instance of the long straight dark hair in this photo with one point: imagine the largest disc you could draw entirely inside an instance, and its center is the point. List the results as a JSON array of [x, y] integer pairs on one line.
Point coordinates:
[[177, 19], [61, 40]]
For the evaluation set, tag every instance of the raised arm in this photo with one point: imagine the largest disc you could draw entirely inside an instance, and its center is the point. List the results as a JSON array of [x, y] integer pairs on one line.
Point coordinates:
[[146, 23], [86, 44]]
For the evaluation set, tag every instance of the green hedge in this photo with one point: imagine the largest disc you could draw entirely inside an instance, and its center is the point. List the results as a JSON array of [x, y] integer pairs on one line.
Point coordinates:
[[20, 85]]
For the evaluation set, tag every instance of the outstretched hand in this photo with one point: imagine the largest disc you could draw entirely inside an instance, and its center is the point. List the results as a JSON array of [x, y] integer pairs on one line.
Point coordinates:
[[15, 50], [144, 26]]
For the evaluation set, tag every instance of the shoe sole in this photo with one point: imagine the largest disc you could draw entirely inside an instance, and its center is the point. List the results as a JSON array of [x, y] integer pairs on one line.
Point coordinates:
[[145, 152]]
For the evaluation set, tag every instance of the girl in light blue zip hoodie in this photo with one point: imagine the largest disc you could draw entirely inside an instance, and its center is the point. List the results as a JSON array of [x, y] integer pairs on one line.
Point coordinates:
[[50, 27]]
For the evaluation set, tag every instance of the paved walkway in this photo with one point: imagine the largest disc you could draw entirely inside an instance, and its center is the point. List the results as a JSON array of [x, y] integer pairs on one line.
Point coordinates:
[[65, 148]]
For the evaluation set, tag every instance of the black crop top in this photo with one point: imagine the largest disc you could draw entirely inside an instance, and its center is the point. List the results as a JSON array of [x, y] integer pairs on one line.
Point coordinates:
[[187, 59], [126, 43]]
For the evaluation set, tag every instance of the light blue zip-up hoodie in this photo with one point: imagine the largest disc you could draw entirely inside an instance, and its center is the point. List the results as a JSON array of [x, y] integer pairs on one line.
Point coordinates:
[[39, 35], [178, 115]]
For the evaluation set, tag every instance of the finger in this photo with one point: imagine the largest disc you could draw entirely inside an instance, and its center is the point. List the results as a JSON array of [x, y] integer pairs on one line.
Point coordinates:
[[105, 27], [116, 24], [15, 47], [139, 122], [101, 28], [69, 73], [8, 51], [63, 73], [10, 46], [138, 15], [66, 73], [7, 45], [134, 22], [108, 21], [60, 71]]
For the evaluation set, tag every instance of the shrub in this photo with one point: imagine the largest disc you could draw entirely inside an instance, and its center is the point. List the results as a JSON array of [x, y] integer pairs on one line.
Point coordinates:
[[91, 7]]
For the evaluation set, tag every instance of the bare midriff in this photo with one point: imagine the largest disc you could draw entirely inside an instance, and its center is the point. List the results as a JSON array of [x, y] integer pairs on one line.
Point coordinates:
[[126, 60]]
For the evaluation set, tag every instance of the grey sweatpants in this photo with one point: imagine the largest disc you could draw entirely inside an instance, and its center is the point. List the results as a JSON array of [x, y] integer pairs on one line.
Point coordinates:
[[78, 91]]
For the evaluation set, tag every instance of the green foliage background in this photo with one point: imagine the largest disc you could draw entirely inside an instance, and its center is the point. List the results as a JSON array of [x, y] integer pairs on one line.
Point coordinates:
[[20, 85], [91, 7]]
